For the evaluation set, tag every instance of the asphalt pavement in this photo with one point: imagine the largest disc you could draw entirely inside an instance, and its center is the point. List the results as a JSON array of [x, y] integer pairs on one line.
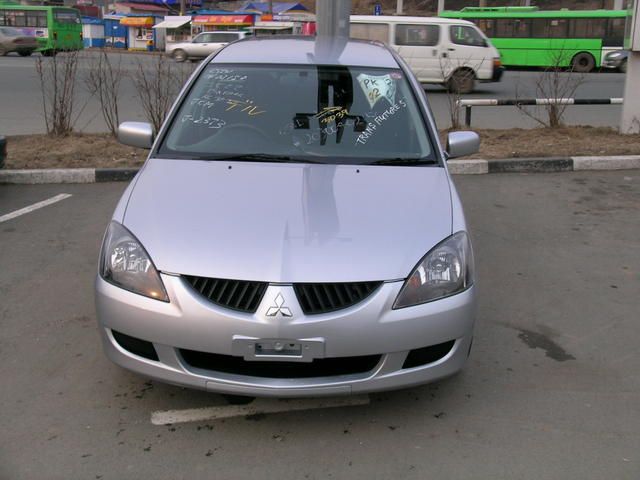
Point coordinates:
[[551, 390], [21, 100]]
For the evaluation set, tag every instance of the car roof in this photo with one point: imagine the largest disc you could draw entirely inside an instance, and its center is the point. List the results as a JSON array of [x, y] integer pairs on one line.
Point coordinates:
[[307, 50], [407, 19]]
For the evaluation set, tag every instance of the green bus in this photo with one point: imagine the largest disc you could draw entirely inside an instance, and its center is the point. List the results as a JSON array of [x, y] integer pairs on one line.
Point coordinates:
[[529, 37], [56, 28]]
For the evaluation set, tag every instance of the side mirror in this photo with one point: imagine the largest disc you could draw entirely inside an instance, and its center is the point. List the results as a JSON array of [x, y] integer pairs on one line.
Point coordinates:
[[136, 134], [460, 144]]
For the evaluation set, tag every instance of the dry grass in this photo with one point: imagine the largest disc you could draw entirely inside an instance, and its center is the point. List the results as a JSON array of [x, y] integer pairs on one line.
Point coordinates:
[[101, 150]]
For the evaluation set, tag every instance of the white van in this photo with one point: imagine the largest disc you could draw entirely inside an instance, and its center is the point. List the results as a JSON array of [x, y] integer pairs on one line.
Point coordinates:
[[450, 52]]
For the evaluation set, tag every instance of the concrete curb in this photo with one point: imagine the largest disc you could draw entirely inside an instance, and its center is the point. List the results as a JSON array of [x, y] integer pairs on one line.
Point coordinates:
[[456, 167]]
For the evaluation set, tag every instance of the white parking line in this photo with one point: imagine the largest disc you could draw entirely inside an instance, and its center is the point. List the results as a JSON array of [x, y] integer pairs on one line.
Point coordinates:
[[33, 207], [257, 407]]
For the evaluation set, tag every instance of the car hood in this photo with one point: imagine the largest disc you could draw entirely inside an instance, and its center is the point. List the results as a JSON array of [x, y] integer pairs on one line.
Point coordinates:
[[287, 222]]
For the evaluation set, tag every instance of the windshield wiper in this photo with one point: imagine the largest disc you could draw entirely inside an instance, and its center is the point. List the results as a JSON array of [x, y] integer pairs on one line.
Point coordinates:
[[256, 157], [402, 162]]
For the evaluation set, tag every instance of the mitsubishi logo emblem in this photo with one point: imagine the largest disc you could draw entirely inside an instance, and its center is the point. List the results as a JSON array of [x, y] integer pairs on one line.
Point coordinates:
[[279, 308]]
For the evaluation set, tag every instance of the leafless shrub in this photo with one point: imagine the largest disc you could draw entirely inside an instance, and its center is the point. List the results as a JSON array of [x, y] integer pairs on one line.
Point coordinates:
[[58, 78], [158, 86], [555, 84], [103, 81], [458, 78]]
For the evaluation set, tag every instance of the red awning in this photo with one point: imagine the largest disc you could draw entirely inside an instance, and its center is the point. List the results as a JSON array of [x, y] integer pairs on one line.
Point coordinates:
[[223, 19], [143, 7]]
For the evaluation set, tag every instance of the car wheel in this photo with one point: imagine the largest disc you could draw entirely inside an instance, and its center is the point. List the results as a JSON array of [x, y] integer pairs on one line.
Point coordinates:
[[583, 63], [461, 81], [623, 67], [24, 53], [179, 55]]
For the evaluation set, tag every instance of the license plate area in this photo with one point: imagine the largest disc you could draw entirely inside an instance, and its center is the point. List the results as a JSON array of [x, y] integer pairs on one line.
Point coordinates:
[[277, 349]]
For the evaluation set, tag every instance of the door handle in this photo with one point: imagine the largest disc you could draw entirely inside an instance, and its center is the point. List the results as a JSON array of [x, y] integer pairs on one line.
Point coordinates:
[[444, 55], [451, 49]]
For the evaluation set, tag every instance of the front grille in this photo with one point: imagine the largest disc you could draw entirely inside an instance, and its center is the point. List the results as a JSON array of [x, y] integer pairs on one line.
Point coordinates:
[[238, 295], [320, 367], [317, 298]]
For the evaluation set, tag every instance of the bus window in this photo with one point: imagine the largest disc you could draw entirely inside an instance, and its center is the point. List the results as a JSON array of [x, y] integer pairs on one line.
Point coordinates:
[[522, 28], [540, 28], [587, 27], [512, 28], [370, 31], [615, 33], [417, 35], [488, 26], [504, 28], [558, 28], [66, 16]]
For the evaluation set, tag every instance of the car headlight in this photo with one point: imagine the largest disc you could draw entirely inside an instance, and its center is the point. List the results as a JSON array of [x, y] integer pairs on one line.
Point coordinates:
[[125, 263], [613, 55], [446, 270]]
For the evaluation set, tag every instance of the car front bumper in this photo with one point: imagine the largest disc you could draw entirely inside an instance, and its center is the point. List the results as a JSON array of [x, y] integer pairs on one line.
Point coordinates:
[[612, 63], [190, 323]]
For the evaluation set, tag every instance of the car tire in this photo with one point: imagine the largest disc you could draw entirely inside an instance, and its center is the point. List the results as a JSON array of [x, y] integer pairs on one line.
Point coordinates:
[[237, 399], [461, 81], [24, 53], [49, 53], [623, 67], [583, 62], [179, 55]]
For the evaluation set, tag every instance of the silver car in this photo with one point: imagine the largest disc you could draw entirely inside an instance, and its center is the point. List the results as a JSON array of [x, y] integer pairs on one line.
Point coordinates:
[[294, 231], [202, 45]]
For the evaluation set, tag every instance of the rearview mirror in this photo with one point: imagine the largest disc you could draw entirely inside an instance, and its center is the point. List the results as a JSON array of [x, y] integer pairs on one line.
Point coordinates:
[[136, 134], [460, 144]]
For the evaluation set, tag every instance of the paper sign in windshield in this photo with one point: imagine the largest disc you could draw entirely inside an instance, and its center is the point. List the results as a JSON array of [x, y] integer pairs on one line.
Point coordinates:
[[377, 87]]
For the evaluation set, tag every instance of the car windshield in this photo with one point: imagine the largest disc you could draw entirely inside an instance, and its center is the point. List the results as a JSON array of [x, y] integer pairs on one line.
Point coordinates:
[[321, 114]]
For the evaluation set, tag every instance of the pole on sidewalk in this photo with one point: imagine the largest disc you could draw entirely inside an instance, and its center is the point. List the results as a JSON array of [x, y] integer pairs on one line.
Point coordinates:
[[630, 122], [440, 6], [182, 6], [332, 18], [399, 7]]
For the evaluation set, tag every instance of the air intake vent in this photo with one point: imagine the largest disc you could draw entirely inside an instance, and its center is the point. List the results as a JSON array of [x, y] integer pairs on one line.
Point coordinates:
[[317, 298], [238, 295]]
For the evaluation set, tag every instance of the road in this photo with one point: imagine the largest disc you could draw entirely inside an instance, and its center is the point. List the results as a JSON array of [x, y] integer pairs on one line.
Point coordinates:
[[551, 389], [21, 101]]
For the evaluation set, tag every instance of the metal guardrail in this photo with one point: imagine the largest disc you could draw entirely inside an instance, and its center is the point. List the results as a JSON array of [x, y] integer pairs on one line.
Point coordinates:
[[497, 102]]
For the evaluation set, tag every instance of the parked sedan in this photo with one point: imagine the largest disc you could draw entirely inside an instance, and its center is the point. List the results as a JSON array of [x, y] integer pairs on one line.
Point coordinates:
[[616, 60], [294, 231], [202, 45], [13, 40]]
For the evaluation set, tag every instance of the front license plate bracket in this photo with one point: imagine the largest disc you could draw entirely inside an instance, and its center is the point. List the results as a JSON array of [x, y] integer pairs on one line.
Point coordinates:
[[277, 349]]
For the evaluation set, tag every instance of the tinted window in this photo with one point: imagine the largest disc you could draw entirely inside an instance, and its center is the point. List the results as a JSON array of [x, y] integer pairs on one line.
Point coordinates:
[[513, 28], [487, 25], [465, 35], [588, 27], [222, 37], [370, 31], [66, 16], [419, 35], [203, 38], [321, 113], [615, 33], [558, 28]]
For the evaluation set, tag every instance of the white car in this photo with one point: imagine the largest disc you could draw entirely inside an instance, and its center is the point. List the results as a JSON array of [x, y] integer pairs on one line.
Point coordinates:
[[202, 45]]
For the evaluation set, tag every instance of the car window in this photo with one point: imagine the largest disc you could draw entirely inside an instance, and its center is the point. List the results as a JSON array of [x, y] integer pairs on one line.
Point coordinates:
[[417, 35], [202, 38], [370, 31], [223, 37], [329, 114], [466, 35]]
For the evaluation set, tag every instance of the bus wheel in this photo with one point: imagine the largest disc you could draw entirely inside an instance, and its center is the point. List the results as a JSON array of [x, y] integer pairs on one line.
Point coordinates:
[[461, 81], [583, 63], [179, 55]]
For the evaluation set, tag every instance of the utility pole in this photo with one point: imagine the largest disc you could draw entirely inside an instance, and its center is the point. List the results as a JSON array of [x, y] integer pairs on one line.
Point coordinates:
[[618, 4], [332, 18], [440, 6], [399, 7], [182, 6], [271, 7], [630, 121]]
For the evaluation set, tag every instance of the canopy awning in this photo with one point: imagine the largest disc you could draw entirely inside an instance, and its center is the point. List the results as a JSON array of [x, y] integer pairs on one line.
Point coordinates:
[[271, 27], [137, 21], [173, 23], [223, 19]]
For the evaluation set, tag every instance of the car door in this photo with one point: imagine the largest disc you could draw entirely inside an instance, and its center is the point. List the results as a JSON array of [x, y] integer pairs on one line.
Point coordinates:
[[220, 39], [420, 45], [468, 47], [200, 45]]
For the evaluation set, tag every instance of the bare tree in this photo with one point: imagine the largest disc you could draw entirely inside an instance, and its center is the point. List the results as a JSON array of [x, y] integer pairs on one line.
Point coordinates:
[[103, 81], [158, 86], [459, 78], [555, 85], [58, 77]]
